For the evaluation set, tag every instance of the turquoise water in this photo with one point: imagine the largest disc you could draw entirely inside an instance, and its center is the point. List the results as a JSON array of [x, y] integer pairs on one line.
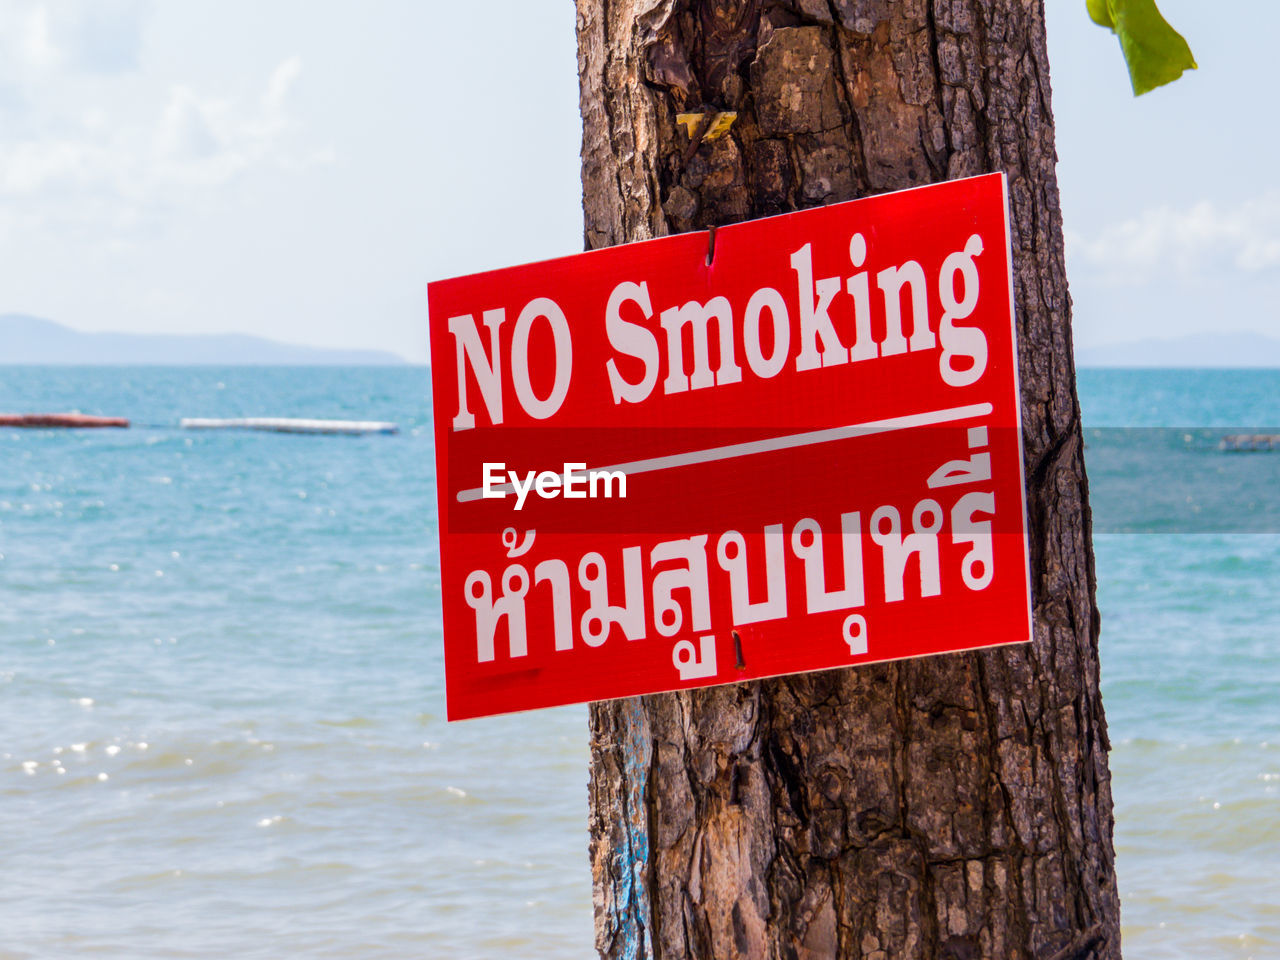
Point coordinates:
[[221, 705], [1190, 655]]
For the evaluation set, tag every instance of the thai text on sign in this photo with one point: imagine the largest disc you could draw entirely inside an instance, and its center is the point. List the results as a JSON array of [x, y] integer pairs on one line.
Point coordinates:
[[682, 462]]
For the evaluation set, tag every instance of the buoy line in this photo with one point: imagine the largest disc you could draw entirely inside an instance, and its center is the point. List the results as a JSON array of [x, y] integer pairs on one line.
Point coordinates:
[[290, 425]]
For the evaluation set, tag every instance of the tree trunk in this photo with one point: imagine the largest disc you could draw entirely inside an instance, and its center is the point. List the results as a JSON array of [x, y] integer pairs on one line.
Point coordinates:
[[956, 806]]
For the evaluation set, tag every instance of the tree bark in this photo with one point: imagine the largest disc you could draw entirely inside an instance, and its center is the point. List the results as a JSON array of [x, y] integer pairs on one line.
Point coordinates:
[[953, 807]]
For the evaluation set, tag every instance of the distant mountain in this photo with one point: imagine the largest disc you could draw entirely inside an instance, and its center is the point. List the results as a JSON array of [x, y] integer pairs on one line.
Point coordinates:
[[1195, 350], [32, 340]]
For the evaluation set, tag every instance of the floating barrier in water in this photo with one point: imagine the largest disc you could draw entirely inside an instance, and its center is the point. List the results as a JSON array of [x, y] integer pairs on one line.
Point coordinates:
[[60, 420], [291, 425], [1249, 442]]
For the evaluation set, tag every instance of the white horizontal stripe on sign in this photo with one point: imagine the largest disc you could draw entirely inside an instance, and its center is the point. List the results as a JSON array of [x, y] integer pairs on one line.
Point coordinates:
[[733, 450]]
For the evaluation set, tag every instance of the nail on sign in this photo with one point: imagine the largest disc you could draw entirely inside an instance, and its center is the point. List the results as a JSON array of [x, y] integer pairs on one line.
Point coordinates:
[[672, 464]]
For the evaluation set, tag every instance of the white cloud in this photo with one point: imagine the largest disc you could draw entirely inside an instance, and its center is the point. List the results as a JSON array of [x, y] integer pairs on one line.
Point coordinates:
[[186, 130], [37, 45], [282, 80], [83, 36], [97, 169], [79, 146], [1186, 242]]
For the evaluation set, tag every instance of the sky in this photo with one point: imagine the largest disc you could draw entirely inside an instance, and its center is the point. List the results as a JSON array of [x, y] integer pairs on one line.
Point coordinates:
[[301, 169]]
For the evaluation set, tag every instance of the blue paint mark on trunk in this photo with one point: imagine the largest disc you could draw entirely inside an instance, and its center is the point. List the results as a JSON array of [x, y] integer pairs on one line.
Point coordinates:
[[633, 918]]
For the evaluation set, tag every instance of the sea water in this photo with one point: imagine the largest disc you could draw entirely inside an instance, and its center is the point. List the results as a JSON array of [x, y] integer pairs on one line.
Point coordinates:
[[1187, 539], [221, 688]]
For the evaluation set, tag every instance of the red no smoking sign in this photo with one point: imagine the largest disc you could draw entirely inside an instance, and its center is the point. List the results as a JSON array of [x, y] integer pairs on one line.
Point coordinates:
[[675, 463]]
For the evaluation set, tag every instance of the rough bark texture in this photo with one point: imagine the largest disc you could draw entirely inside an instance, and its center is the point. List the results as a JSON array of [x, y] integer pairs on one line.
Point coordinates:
[[955, 807]]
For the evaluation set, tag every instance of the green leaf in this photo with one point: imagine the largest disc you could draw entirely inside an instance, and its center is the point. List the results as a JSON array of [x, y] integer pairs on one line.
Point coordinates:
[[1155, 53], [1100, 14]]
